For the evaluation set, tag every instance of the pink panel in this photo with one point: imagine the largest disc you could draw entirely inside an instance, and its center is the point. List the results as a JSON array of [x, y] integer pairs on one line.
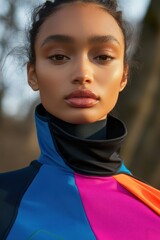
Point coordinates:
[[114, 213]]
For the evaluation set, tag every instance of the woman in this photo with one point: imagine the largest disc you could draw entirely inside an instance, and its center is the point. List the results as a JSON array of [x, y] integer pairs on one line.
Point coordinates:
[[79, 188]]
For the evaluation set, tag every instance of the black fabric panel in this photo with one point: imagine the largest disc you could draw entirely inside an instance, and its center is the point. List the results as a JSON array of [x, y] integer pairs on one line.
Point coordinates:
[[12, 188], [95, 130], [91, 157]]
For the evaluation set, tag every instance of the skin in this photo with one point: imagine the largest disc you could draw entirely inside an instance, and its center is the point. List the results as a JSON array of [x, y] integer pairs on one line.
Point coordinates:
[[98, 67]]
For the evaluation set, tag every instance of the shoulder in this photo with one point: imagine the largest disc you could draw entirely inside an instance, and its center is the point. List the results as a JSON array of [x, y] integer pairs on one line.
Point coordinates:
[[12, 188], [19, 177], [15, 182]]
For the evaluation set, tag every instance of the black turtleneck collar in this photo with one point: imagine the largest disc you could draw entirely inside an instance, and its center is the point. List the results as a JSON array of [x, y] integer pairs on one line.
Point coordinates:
[[88, 155], [95, 131]]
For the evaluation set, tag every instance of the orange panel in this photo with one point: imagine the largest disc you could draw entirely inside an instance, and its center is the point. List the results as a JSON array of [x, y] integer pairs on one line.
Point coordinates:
[[147, 194]]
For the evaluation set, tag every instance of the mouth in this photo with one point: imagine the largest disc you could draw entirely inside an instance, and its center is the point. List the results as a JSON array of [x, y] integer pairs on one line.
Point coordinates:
[[82, 98]]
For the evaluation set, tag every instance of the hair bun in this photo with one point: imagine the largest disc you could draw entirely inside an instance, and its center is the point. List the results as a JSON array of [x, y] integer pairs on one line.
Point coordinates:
[[50, 1], [112, 3]]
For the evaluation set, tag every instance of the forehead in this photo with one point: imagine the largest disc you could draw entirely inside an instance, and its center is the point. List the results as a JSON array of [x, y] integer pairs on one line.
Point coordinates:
[[80, 21]]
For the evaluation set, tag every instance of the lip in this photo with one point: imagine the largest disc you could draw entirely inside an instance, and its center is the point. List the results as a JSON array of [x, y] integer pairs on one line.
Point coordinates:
[[82, 98]]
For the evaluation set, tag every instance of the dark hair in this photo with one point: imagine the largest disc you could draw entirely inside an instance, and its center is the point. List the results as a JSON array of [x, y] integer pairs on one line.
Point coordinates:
[[42, 12]]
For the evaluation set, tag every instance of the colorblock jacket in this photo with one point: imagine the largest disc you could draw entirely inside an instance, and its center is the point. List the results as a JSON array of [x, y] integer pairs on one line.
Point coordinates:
[[77, 190]]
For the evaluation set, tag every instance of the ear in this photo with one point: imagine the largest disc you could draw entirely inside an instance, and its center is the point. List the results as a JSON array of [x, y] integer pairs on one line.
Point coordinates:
[[124, 79], [32, 77]]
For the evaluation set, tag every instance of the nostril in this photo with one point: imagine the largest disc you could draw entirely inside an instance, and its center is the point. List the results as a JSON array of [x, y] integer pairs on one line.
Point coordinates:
[[76, 81]]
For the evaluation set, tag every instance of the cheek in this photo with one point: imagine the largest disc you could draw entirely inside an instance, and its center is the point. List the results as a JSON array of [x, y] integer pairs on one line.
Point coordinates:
[[48, 79], [111, 79]]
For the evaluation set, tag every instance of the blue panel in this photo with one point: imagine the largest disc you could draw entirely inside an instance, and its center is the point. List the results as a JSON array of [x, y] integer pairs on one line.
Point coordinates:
[[49, 154], [123, 169], [52, 209], [43, 235]]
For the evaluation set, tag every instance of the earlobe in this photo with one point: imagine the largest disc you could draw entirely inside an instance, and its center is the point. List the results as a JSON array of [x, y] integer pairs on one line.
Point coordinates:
[[32, 78], [124, 79]]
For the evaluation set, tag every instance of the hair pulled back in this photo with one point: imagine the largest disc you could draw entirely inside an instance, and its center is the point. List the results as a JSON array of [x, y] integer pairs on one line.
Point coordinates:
[[42, 12]]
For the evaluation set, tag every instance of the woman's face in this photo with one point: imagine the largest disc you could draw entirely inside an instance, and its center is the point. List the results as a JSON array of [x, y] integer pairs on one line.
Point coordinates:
[[79, 69]]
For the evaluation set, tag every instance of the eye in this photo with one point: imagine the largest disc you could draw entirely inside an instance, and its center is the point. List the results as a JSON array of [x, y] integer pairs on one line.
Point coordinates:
[[104, 58], [59, 58]]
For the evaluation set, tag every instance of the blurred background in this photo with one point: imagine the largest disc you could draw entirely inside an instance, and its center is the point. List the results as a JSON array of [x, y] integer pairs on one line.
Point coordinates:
[[138, 106]]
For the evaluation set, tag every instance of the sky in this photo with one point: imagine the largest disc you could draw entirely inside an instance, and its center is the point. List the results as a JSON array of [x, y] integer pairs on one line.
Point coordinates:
[[18, 95], [134, 10]]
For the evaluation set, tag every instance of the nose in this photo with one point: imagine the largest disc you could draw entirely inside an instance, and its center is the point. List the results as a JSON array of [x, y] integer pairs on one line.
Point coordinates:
[[82, 71]]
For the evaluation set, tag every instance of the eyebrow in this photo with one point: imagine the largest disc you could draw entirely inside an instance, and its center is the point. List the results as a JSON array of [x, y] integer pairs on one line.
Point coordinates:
[[70, 40]]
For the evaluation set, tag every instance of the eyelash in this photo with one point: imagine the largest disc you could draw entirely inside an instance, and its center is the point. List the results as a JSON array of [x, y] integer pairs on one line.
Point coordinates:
[[108, 58], [58, 55]]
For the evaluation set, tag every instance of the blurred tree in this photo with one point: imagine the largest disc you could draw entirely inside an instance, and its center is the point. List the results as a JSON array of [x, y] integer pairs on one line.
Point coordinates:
[[18, 144], [8, 25], [142, 148]]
